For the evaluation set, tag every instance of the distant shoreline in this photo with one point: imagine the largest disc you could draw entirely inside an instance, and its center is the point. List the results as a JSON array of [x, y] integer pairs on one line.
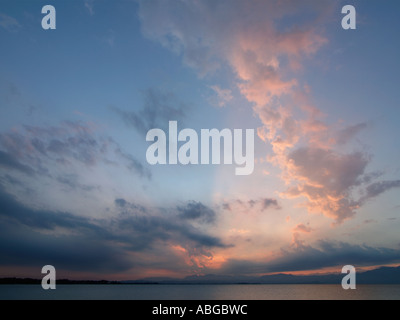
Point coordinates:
[[12, 280], [382, 275]]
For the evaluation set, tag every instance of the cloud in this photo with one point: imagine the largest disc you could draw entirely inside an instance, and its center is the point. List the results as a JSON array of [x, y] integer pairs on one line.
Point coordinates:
[[71, 141], [127, 208], [258, 204], [348, 133], [265, 44], [323, 254], [221, 97], [265, 59], [120, 202], [326, 179], [31, 237], [34, 149], [10, 162], [376, 188], [158, 109], [196, 211], [9, 23], [269, 203], [302, 228], [206, 33], [89, 5], [131, 162], [71, 182], [330, 253], [152, 226]]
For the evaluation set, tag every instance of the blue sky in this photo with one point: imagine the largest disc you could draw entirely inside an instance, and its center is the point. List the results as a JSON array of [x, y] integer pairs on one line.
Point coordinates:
[[76, 103]]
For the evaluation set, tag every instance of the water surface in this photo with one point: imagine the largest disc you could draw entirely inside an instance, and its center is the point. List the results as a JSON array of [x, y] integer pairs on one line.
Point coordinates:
[[201, 292]]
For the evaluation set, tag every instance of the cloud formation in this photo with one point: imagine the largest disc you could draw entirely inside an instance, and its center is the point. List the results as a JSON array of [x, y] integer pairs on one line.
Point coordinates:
[[35, 150], [266, 54], [326, 179], [36, 237], [324, 254], [196, 211]]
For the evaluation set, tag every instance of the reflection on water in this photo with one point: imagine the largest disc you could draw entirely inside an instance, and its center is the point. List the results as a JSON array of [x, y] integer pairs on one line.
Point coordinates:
[[201, 292]]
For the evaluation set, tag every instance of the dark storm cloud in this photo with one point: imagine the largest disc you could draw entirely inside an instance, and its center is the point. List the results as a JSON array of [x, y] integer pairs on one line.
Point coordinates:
[[158, 109], [324, 254]]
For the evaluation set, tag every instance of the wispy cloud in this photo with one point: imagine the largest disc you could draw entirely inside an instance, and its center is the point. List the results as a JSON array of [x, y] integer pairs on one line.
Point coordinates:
[[375, 189], [9, 23], [34, 149], [89, 5], [221, 96], [157, 110], [8, 161], [347, 134]]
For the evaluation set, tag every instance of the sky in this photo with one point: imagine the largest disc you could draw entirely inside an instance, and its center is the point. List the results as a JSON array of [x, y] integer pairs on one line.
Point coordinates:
[[76, 104]]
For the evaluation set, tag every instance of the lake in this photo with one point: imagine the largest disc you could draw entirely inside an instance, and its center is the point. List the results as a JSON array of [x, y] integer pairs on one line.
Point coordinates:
[[200, 292]]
